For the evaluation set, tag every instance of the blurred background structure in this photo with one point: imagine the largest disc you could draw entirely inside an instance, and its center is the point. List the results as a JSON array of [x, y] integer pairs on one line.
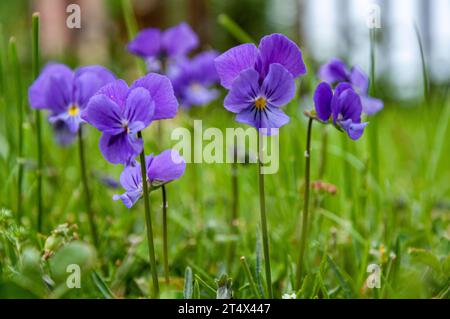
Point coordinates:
[[323, 28]]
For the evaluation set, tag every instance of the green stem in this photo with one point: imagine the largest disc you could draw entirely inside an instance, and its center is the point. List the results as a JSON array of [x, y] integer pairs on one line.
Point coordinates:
[[234, 209], [251, 280], [165, 246], [18, 86], [148, 222], [262, 206], [35, 69], [132, 27], [304, 234], [87, 194]]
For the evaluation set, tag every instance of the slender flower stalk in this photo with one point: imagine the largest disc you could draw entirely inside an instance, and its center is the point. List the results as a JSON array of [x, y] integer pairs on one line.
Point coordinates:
[[148, 221], [19, 99], [262, 206], [165, 246], [304, 230], [87, 194], [35, 70]]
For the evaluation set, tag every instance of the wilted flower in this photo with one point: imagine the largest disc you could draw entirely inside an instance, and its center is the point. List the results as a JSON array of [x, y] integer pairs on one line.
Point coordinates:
[[161, 169], [343, 107], [192, 79], [261, 80], [65, 93], [120, 112], [156, 46], [335, 71]]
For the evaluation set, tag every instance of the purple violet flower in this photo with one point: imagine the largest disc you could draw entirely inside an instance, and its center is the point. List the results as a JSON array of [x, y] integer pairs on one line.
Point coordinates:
[[161, 169], [155, 46], [192, 79], [119, 112], [65, 93], [63, 135], [335, 71], [261, 80], [343, 106]]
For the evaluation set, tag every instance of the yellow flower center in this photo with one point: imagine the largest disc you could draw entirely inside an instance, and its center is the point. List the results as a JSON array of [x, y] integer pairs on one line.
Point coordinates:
[[73, 110], [260, 103]]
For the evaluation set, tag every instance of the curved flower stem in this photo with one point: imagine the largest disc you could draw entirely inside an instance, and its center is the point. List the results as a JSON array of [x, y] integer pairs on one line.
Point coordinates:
[[262, 205], [165, 246], [304, 234], [148, 222], [35, 71], [87, 194]]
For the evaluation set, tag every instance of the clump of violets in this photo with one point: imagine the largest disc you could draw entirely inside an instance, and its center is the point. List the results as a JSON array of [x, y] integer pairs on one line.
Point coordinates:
[[260, 80], [194, 79], [120, 112], [158, 47], [335, 71], [161, 169], [65, 94], [342, 107]]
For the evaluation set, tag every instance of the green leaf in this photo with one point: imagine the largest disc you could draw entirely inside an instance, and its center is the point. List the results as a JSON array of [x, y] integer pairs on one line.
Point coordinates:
[[74, 253], [196, 290], [425, 257], [307, 288], [258, 265], [102, 286], [4, 147], [341, 277], [188, 288]]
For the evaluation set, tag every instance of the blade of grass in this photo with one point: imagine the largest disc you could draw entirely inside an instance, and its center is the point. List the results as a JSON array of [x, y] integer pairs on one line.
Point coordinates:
[[234, 29], [425, 77], [188, 283], [35, 69], [102, 286], [250, 277], [205, 284], [132, 27], [340, 276], [439, 142], [14, 58]]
